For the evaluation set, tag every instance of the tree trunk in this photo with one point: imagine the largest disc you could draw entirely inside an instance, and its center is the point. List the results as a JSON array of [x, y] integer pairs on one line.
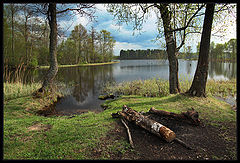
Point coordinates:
[[52, 48], [171, 50], [12, 26], [198, 87], [148, 124]]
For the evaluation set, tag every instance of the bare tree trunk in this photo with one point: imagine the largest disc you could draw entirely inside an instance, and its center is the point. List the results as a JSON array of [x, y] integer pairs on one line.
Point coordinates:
[[198, 86], [52, 47], [171, 49], [12, 26]]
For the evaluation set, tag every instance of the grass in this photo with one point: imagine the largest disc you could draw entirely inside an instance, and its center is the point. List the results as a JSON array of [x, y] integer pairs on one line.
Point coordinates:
[[210, 109], [80, 65], [160, 88], [77, 137], [67, 138], [17, 89]]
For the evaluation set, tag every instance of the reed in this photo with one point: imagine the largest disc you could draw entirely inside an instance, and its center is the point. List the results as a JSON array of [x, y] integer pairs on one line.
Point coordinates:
[[157, 87], [14, 83]]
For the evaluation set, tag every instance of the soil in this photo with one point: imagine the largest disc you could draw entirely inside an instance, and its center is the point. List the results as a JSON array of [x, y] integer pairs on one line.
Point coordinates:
[[208, 142]]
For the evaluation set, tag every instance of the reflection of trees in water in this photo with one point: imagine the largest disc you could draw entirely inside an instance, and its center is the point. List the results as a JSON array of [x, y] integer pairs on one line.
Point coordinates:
[[26, 76], [189, 65], [222, 68], [87, 80]]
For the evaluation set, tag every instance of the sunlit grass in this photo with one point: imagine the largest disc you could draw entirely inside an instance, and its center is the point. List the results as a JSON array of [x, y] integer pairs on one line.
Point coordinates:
[[80, 65], [18, 89], [157, 87]]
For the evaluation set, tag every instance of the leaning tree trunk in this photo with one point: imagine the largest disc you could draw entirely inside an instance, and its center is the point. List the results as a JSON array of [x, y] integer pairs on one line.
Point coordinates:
[[171, 50], [52, 47], [198, 86]]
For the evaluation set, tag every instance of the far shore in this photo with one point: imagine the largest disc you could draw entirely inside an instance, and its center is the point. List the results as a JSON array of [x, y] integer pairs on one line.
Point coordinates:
[[82, 65]]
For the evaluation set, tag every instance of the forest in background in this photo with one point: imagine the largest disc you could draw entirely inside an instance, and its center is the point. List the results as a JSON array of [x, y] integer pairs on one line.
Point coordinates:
[[217, 52], [26, 41]]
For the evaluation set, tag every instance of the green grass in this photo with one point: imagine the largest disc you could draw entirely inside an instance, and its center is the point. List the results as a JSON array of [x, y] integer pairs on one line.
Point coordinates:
[[80, 65], [77, 137], [210, 109], [160, 88], [17, 89], [68, 138]]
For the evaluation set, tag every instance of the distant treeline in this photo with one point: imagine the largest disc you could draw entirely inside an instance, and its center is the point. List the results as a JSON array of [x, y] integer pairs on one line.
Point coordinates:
[[217, 52], [143, 54]]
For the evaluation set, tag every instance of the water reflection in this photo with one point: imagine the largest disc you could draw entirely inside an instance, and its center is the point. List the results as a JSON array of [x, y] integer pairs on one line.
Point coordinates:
[[87, 83], [84, 84], [222, 70]]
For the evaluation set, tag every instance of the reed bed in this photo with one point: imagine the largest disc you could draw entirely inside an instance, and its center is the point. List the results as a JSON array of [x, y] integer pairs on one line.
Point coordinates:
[[157, 87], [14, 85]]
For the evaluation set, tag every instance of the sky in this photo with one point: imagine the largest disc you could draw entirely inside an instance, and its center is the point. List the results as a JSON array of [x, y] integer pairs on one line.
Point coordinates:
[[125, 39]]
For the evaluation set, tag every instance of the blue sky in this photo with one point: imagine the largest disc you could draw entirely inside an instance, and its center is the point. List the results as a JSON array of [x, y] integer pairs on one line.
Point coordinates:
[[124, 34]]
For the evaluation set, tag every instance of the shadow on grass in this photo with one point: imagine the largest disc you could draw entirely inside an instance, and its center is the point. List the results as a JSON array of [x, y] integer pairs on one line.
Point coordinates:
[[155, 101]]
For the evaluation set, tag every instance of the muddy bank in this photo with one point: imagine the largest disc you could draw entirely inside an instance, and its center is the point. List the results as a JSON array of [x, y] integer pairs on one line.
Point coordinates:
[[52, 110]]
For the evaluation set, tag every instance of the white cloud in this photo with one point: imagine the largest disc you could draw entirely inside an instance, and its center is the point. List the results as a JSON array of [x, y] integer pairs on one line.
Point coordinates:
[[125, 45]]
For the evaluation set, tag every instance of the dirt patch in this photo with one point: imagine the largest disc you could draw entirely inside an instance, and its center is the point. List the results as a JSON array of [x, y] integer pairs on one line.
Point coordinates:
[[208, 142], [39, 126]]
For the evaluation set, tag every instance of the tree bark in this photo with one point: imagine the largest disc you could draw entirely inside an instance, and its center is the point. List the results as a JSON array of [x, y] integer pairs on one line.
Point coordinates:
[[148, 124], [190, 116], [198, 87], [171, 49], [52, 48]]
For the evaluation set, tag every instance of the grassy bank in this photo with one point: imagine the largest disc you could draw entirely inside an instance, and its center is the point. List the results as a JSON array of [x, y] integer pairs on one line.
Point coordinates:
[[160, 88], [30, 136], [81, 65]]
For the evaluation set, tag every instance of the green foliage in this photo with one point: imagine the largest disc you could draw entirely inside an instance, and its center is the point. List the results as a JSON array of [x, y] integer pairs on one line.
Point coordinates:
[[26, 39], [143, 54], [33, 62], [82, 47], [223, 52]]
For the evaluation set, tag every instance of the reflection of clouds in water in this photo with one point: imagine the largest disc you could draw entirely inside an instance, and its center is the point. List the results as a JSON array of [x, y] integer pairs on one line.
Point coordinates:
[[70, 104], [85, 83], [218, 77]]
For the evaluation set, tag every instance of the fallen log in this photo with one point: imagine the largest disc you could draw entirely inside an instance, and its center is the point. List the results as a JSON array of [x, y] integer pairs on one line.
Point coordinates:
[[148, 124], [190, 116]]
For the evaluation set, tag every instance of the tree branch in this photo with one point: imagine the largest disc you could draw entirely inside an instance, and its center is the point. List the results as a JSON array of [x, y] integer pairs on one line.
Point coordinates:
[[189, 21]]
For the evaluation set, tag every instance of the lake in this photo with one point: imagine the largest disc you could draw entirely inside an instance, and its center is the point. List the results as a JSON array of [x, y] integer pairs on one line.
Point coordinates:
[[84, 84]]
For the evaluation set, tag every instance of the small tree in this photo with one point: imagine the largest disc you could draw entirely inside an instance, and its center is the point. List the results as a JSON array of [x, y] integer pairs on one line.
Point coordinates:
[[52, 19]]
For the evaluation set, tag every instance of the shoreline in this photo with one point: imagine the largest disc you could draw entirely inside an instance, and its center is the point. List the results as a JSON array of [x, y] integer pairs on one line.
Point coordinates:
[[82, 65]]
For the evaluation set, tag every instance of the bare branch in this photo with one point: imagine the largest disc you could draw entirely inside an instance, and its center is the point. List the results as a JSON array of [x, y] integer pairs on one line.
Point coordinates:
[[189, 21]]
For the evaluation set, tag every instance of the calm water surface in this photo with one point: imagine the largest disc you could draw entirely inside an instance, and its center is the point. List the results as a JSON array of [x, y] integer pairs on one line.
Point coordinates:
[[84, 84]]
